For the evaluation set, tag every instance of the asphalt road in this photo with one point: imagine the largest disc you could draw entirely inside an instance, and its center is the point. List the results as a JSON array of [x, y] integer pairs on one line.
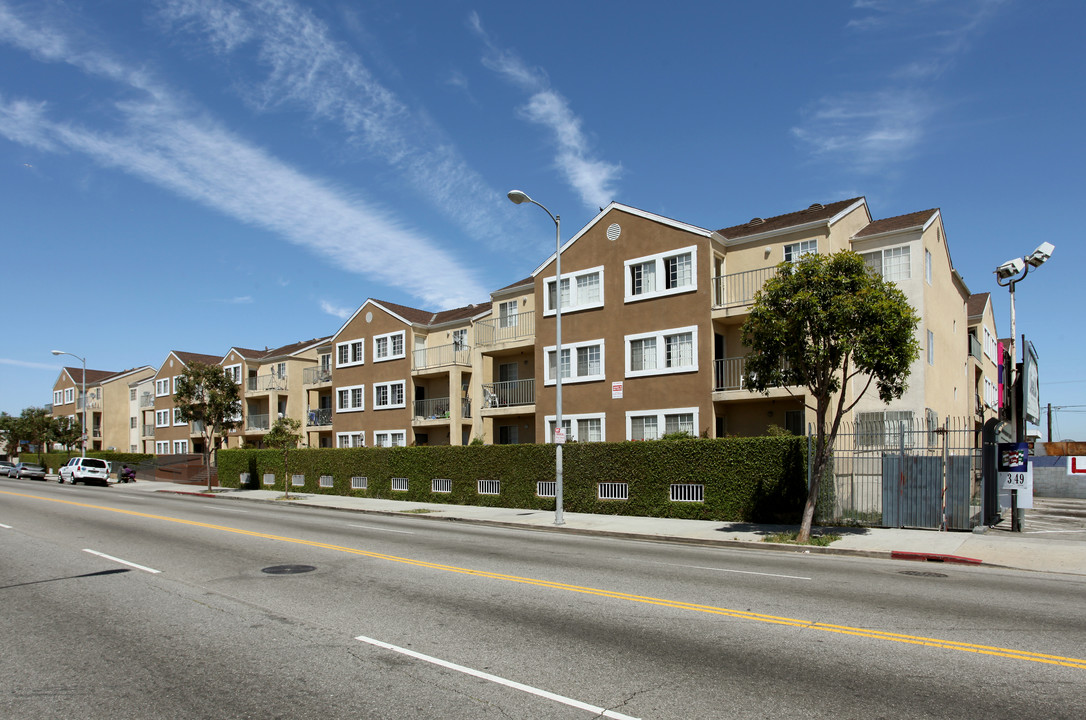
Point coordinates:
[[126, 604]]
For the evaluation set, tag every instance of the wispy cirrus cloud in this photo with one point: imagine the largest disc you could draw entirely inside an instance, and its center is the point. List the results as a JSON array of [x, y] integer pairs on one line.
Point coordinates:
[[336, 310], [28, 364], [591, 177], [870, 130], [308, 70], [163, 142]]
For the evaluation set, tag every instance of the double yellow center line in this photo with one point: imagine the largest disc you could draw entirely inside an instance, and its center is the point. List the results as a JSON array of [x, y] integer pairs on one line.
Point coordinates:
[[1077, 663]]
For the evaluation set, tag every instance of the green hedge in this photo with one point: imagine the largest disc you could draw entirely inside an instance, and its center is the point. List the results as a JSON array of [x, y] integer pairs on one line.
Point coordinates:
[[54, 460], [759, 479]]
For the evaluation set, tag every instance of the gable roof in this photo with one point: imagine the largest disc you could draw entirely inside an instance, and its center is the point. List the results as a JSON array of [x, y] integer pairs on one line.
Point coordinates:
[[975, 305], [94, 377], [919, 220], [191, 357], [414, 316], [816, 214]]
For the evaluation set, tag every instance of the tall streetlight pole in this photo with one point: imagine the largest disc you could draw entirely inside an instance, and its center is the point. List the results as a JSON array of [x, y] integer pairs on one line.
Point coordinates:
[[518, 197], [82, 435]]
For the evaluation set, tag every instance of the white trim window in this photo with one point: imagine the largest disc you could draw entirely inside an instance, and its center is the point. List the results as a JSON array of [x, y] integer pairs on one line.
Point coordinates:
[[460, 339], [180, 447], [794, 251], [666, 273], [162, 387], [891, 263], [507, 314], [389, 346], [990, 345], [586, 427], [931, 348], [389, 438], [351, 398], [662, 352], [927, 266], [350, 439], [581, 290], [654, 424], [351, 352], [69, 395], [175, 383], [388, 395], [162, 447], [233, 372], [58, 397], [581, 362], [177, 417], [162, 418]]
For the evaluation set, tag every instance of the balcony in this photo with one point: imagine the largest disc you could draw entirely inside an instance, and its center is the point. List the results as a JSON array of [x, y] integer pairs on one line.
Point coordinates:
[[316, 375], [728, 378], [511, 328], [738, 289], [320, 417], [257, 423], [147, 400], [511, 393], [93, 403], [975, 349], [441, 356], [147, 431], [196, 427], [265, 383], [432, 409]]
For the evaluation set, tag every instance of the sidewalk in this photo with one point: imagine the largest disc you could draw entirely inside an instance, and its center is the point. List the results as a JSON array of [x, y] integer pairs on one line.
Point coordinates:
[[1058, 553]]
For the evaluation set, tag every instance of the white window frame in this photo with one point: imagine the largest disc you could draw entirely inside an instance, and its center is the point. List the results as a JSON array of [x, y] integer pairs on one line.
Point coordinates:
[[390, 353], [180, 447], [927, 266], [660, 260], [377, 387], [931, 348], [175, 383], [574, 304], [661, 352], [383, 438], [177, 421], [162, 387], [574, 350], [162, 447], [353, 358], [69, 396], [162, 418], [58, 397], [350, 439], [507, 313], [350, 394], [233, 372], [990, 345], [572, 425], [880, 257], [795, 251], [661, 419]]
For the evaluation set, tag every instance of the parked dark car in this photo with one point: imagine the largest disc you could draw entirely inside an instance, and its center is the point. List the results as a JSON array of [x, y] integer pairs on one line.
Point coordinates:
[[26, 470]]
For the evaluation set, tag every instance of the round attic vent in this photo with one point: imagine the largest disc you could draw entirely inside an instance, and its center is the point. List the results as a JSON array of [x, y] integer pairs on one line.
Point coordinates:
[[613, 231], [817, 206], [756, 221]]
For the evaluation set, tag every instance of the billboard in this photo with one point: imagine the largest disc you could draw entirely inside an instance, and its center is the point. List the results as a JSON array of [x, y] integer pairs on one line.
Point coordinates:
[[1031, 385]]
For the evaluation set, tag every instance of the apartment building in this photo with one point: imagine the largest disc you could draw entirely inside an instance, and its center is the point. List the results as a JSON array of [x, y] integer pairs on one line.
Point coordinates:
[[107, 403], [141, 408], [982, 364], [174, 436], [505, 353]]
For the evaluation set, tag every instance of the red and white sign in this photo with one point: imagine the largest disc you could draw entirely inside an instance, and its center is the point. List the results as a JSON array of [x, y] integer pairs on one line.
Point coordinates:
[[1076, 465], [616, 390], [559, 435]]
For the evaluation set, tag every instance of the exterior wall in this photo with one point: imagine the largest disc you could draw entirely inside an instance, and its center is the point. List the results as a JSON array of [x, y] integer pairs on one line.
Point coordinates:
[[947, 388], [170, 432], [986, 368], [67, 388], [116, 410]]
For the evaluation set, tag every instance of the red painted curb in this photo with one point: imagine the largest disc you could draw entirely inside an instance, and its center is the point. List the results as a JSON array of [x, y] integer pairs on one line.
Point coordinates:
[[933, 557]]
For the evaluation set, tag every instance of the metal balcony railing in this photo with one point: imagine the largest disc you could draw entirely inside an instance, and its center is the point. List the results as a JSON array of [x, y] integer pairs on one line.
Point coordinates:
[[257, 422], [452, 354], [316, 375], [264, 383], [147, 430], [975, 348], [728, 373], [740, 288], [465, 407], [432, 408], [509, 393], [518, 326], [319, 417]]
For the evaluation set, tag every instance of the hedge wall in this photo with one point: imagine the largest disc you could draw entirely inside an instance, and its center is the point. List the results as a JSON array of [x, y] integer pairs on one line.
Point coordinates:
[[760, 479], [54, 460]]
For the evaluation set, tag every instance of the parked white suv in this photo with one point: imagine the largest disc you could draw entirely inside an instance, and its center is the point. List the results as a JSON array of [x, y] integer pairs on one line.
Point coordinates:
[[87, 470]]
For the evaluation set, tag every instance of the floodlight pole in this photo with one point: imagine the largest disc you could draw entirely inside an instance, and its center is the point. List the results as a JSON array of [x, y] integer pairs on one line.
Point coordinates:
[[518, 197], [83, 434]]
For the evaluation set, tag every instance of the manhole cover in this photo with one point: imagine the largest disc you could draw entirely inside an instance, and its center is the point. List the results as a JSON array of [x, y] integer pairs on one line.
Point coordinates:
[[920, 573], [288, 569]]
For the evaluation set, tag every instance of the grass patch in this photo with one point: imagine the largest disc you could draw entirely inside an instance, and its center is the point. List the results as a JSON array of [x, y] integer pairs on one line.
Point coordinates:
[[789, 538]]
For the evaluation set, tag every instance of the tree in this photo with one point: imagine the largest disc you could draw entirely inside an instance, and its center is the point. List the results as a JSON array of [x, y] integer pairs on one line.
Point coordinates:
[[67, 431], [11, 433], [822, 322], [205, 394], [284, 435], [36, 426]]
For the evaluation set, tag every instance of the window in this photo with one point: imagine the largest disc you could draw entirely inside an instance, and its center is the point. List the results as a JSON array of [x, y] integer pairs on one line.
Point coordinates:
[[350, 440], [388, 346], [175, 382], [180, 447], [581, 362], [350, 352], [653, 424], [507, 314], [58, 397], [795, 251], [389, 438], [162, 418], [927, 266], [233, 372], [388, 395], [508, 435], [69, 393], [162, 387], [884, 428], [460, 339], [990, 346], [350, 399], [132, 423], [991, 393], [662, 352], [892, 263], [581, 290], [579, 428], [931, 348], [131, 394], [162, 447], [177, 417], [666, 273]]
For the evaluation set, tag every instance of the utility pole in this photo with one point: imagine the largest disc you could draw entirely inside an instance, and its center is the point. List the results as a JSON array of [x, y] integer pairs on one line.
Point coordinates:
[[1049, 422]]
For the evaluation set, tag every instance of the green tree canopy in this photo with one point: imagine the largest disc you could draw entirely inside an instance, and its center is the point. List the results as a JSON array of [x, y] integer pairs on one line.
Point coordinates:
[[206, 395], [820, 323]]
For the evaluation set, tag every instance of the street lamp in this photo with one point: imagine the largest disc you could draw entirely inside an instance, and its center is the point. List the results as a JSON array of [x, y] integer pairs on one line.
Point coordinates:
[[83, 434], [518, 198], [1008, 275]]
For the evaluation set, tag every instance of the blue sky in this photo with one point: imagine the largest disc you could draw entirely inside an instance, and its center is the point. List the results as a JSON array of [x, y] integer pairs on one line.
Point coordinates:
[[201, 174]]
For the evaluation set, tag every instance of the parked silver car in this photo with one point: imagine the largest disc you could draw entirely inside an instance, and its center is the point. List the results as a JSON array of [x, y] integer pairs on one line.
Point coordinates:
[[26, 470], [6, 466]]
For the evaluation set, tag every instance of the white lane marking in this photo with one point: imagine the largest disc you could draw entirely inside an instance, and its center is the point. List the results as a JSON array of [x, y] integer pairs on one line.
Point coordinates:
[[370, 527], [122, 562], [212, 507], [740, 572], [501, 681], [6, 527]]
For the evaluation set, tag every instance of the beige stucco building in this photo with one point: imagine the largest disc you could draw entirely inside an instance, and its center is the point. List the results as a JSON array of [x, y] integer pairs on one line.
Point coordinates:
[[107, 403]]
